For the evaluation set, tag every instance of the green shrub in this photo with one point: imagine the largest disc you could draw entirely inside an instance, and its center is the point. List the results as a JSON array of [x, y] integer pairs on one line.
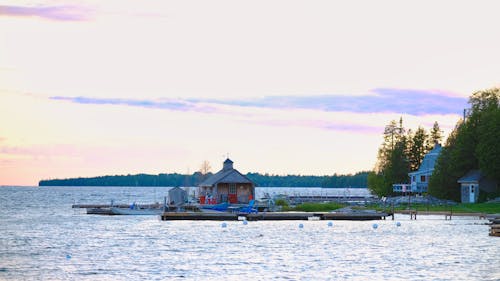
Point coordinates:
[[318, 207], [281, 202]]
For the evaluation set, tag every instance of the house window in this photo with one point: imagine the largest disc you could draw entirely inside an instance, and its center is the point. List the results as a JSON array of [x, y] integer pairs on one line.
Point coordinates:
[[232, 189], [413, 178], [422, 178]]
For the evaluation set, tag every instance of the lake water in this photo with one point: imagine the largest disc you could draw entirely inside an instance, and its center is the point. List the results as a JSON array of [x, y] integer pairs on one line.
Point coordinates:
[[43, 238]]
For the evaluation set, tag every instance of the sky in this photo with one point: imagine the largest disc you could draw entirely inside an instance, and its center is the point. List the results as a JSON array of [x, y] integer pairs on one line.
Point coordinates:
[[91, 88]]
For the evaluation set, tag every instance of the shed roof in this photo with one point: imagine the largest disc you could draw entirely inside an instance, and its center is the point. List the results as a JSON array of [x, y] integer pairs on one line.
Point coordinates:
[[471, 176], [176, 189]]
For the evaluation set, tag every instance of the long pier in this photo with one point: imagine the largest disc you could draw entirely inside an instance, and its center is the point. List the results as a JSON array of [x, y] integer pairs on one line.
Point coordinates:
[[274, 216], [96, 206], [447, 214]]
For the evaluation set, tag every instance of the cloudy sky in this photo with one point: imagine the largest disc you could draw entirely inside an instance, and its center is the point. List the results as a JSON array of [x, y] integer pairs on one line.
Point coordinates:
[[91, 88]]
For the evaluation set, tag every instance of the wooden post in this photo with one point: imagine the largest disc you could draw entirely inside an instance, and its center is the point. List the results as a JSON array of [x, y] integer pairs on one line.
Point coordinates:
[[392, 210], [449, 215], [413, 215], [409, 201]]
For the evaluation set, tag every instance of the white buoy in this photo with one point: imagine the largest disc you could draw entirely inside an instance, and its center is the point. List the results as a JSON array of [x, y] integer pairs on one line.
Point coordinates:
[[330, 224], [375, 226], [245, 222], [301, 225], [223, 225], [398, 224]]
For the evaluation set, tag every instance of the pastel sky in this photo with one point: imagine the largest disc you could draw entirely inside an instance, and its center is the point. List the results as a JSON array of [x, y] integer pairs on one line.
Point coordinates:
[[91, 88]]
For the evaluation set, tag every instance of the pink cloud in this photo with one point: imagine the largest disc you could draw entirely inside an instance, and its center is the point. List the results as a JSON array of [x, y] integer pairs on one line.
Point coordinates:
[[57, 13], [325, 125], [41, 150]]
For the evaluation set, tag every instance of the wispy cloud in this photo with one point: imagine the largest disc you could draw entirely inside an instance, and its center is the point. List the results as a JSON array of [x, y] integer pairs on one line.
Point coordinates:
[[57, 13], [40, 150], [169, 104], [328, 125], [358, 114], [383, 100], [276, 117]]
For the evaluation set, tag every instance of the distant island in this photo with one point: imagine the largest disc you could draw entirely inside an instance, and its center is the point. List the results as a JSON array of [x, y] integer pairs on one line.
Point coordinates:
[[357, 180]]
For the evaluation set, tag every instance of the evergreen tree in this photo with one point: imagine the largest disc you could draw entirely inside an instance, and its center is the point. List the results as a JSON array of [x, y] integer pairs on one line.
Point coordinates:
[[392, 161], [436, 135], [488, 146], [443, 182], [472, 145], [417, 148]]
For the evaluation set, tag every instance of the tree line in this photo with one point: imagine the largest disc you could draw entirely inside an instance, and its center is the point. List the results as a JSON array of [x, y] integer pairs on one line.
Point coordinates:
[[473, 144], [401, 152], [357, 180]]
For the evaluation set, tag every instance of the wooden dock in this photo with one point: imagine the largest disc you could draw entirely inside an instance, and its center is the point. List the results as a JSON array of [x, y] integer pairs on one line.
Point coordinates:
[[274, 216], [97, 206], [105, 209], [447, 214], [494, 225]]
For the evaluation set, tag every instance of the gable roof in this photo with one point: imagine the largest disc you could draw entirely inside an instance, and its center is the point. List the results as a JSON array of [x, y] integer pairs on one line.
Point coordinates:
[[429, 161], [471, 176], [226, 176]]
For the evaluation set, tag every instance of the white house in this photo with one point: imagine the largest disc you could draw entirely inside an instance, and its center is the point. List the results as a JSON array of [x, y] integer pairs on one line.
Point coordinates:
[[419, 180]]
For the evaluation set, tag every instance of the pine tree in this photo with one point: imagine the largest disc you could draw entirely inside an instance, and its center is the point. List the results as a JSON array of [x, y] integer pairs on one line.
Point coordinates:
[[436, 135], [417, 148], [472, 145], [392, 162]]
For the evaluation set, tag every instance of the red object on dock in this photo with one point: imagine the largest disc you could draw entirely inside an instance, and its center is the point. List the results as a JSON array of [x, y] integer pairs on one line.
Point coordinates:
[[202, 199], [232, 198]]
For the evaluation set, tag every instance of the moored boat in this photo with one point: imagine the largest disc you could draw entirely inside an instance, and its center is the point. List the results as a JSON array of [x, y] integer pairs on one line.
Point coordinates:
[[136, 211]]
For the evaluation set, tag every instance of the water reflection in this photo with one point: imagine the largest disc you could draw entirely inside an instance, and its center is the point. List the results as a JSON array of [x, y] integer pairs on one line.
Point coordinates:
[[39, 231]]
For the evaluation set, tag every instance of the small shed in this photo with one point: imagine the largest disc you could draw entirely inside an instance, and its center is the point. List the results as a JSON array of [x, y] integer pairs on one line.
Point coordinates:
[[177, 196], [227, 185], [472, 183]]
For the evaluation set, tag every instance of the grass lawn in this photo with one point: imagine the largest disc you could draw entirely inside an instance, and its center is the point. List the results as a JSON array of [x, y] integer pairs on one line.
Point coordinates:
[[487, 208], [316, 207]]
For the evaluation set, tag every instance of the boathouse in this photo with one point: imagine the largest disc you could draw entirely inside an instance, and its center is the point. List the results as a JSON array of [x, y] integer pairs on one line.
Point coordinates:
[[473, 183], [419, 180], [227, 185]]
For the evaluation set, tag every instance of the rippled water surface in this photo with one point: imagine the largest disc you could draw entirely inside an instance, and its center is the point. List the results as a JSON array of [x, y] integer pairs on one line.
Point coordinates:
[[42, 237]]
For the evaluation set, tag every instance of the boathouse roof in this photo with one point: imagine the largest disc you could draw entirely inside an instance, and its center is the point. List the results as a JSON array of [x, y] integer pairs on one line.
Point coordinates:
[[227, 175]]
